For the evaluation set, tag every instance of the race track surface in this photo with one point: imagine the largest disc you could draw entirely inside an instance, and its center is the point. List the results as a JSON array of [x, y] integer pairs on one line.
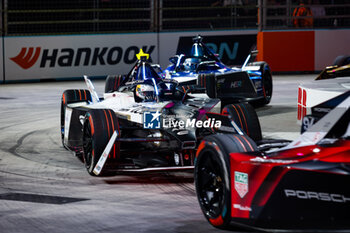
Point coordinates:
[[45, 188]]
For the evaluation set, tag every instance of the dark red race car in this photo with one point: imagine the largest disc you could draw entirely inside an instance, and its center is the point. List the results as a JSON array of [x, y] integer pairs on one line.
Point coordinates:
[[280, 185]]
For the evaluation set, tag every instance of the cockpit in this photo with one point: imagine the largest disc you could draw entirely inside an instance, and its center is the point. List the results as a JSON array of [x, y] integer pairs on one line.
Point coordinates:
[[199, 56], [191, 63], [146, 84]]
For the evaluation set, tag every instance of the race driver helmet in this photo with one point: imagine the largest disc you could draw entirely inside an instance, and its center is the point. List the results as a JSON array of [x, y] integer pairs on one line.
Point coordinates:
[[190, 64], [145, 93]]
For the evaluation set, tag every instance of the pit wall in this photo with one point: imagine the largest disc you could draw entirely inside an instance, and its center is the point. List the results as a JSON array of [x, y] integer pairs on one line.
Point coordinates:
[[290, 51], [72, 56]]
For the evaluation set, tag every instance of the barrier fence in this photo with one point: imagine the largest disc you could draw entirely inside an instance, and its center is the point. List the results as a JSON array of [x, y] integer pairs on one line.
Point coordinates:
[[42, 17]]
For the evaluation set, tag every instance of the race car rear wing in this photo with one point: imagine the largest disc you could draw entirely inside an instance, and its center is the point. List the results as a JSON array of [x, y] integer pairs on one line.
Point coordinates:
[[234, 85]]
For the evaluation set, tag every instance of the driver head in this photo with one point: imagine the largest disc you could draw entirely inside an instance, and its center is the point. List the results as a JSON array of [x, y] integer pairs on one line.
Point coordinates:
[[190, 64], [145, 92]]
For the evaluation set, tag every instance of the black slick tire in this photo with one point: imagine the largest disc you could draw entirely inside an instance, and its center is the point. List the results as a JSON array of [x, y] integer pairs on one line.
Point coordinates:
[[68, 97], [244, 115], [98, 128], [113, 82], [267, 86], [212, 175]]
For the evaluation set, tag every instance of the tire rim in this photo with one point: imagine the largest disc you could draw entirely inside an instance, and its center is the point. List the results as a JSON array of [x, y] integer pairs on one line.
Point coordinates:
[[210, 185], [87, 145]]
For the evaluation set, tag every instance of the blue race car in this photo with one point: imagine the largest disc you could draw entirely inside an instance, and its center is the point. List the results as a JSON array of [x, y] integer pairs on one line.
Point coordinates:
[[204, 72]]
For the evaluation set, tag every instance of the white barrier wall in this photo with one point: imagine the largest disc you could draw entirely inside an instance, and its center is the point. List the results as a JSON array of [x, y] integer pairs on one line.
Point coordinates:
[[46, 57], [328, 45]]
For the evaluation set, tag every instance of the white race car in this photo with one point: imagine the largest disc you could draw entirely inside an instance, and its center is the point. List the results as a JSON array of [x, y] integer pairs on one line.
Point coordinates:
[[145, 123], [332, 82]]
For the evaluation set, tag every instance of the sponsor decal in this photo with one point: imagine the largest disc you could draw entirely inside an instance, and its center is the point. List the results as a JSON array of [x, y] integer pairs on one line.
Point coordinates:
[[317, 136], [258, 84], [81, 119], [184, 132], [102, 160], [320, 196], [176, 159], [310, 120], [301, 103], [227, 129], [240, 207], [324, 110], [27, 57], [263, 160], [73, 57], [236, 84], [98, 168], [67, 118], [307, 122], [151, 120], [241, 183]]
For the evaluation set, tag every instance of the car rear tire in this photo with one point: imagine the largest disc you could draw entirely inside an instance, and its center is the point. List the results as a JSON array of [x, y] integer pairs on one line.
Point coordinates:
[[113, 82], [267, 87], [212, 175], [68, 97], [99, 127], [246, 119]]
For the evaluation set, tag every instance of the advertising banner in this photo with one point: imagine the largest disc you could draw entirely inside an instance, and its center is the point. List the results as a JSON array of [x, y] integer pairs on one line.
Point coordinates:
[[47, 57], [72, 56], [54, 57]]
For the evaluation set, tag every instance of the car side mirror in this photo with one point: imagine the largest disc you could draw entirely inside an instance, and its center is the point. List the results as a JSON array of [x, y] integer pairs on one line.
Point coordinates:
[[157, 68]]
